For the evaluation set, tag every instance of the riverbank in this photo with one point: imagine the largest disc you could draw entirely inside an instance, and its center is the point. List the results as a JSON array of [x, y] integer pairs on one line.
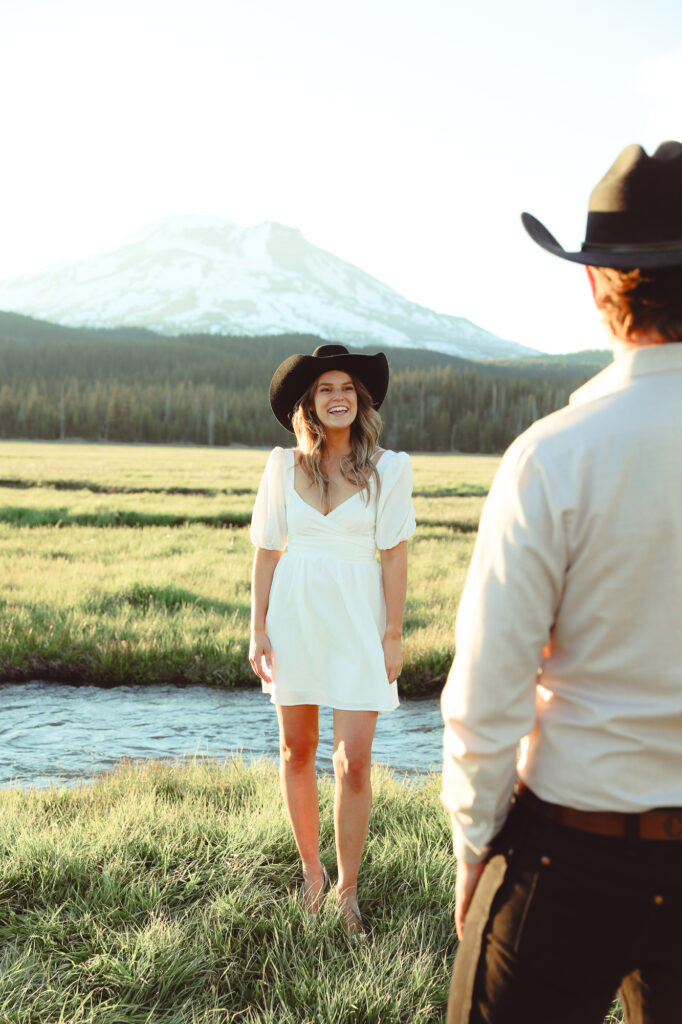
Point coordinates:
[[127, 606], [131, 565]]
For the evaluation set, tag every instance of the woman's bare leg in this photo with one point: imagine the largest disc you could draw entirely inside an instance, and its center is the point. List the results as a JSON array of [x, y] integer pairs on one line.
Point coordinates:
[[353, 735], [298, 735]]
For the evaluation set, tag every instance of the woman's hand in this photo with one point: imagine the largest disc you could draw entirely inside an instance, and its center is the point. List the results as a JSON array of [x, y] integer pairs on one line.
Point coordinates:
[[393, 655], [260, 655], [394, 580]]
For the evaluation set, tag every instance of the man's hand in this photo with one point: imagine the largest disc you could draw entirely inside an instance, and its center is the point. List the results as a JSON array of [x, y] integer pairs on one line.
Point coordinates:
[[465, 886]]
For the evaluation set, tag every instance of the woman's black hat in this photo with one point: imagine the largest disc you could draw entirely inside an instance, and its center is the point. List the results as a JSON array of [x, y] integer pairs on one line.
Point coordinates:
[[634, 215], [293, 377]]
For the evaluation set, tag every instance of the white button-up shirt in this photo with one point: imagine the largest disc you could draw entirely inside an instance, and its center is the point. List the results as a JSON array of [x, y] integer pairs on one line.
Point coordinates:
[[569, 630]]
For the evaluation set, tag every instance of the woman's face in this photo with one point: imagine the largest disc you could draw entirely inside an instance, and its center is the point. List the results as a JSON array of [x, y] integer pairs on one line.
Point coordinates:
[[336, 401]]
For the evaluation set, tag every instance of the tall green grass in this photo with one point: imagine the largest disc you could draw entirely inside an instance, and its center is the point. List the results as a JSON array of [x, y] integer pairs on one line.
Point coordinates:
[[127, 564], [121, 467], [162, 605], [54, 506], [128, 466], [169, 894]]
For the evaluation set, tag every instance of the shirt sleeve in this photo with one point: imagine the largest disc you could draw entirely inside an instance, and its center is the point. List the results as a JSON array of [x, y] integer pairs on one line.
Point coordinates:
[[269, 517], [395, 511], [508, 606]]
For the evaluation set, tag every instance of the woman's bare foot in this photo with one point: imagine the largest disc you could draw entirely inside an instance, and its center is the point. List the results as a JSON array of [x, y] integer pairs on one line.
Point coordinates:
[[348, 901], [315, 882]]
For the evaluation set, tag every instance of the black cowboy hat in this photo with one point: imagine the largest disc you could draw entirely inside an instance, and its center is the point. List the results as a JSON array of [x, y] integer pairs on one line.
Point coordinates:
[[293, 377], [634, 215]]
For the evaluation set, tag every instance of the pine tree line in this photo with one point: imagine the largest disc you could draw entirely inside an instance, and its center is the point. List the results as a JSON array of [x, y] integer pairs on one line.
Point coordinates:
[[58, 383], [427, 410]]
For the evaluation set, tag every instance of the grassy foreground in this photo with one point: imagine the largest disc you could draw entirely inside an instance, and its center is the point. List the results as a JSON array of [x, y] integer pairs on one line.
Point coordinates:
[[131, 564], [169, 894]]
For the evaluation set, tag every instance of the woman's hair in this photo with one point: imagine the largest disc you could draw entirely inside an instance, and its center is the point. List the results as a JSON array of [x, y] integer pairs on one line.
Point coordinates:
[[357, 466], [634, 302]]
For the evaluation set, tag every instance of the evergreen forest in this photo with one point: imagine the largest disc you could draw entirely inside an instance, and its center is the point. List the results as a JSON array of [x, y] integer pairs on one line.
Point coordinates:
[[133, 385]]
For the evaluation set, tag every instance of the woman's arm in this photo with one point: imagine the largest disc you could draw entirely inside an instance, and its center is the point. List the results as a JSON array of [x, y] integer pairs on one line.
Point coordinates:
[[260, 652], [394, 575]]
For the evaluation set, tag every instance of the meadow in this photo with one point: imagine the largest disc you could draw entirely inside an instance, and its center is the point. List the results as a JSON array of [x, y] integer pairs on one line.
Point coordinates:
[[127, 563], [169, 893]]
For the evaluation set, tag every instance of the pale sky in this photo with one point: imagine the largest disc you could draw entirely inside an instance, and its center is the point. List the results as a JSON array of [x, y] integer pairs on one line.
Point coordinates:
[[405, 137]]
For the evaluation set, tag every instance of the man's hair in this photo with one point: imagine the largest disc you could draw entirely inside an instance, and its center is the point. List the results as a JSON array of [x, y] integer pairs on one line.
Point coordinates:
[[640, 301]]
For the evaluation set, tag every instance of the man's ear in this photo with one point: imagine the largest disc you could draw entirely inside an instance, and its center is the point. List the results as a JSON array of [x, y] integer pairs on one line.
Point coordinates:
[[593, 285]]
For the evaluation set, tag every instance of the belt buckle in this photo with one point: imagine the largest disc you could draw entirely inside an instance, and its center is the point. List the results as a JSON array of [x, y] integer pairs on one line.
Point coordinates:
[[672, 824]]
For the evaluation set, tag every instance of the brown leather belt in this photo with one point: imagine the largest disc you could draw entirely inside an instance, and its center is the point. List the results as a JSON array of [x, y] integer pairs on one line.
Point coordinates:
[[659, 823]]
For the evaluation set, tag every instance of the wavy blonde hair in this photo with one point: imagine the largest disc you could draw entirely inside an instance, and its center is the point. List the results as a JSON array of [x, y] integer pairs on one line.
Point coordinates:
[[357, 467]]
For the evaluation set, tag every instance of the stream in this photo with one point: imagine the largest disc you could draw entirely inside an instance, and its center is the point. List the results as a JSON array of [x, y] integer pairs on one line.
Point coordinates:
[[57, 733]]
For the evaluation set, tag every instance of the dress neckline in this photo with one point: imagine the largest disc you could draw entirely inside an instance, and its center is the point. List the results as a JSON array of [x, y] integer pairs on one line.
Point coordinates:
[[325, 515]]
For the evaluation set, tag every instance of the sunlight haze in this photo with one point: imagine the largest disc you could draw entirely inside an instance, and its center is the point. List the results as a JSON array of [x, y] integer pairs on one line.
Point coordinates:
[[404, 138]]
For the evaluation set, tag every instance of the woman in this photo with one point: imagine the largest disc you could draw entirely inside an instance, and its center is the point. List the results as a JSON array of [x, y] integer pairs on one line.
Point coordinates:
[[326, 622]]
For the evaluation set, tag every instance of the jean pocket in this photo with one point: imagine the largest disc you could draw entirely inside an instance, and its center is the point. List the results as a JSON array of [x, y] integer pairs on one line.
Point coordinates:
[[542, 909], [513, 905]]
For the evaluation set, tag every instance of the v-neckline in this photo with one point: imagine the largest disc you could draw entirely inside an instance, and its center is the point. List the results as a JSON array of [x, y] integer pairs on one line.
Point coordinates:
[[325, 515]]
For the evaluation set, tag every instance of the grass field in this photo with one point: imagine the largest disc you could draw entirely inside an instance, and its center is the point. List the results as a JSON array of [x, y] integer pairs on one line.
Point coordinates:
[[127, 563], [169, 894]]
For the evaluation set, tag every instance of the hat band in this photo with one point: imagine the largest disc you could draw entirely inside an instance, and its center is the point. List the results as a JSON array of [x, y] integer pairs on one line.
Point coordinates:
[[673, 246]]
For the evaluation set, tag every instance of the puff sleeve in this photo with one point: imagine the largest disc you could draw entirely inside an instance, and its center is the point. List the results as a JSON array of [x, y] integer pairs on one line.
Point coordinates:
[[395, 511], [269, 518]]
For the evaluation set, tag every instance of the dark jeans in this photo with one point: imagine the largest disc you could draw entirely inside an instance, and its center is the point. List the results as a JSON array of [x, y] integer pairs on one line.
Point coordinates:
[[561, 919]]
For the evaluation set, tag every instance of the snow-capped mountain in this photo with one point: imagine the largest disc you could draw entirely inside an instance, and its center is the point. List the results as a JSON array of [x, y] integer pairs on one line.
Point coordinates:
[[208, 275]]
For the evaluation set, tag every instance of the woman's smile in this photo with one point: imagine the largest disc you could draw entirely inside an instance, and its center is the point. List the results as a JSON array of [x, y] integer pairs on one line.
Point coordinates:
[[336, 402]]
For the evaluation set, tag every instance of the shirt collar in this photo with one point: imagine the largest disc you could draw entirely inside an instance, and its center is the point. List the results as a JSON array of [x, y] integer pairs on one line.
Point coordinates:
[[639, 362]]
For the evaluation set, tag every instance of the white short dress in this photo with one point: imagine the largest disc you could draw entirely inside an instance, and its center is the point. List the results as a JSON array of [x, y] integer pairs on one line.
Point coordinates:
[[326, 614]]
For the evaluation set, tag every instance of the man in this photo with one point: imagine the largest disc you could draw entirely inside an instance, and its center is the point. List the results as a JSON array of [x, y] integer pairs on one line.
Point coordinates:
[[569, 639]]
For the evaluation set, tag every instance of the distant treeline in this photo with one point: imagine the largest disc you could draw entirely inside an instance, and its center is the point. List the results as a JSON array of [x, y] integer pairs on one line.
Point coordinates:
[[132, 385]]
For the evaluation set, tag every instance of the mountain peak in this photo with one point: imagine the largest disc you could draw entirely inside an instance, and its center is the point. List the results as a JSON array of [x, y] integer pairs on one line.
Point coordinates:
[[203, 274]]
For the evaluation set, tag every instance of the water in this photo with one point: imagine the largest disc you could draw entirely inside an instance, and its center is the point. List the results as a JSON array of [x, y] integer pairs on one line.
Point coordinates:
[[51, 732]]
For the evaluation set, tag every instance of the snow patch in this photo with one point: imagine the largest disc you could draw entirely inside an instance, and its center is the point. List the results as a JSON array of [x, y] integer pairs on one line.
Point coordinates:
[[186, 273]]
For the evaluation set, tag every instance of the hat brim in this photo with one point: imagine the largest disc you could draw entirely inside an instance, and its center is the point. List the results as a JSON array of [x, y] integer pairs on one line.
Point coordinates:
[[293, 377], [619, 258]]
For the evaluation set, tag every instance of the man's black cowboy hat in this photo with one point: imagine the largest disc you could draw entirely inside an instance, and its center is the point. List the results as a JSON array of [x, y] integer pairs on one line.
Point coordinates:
[[293, 377], [634, 215]]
